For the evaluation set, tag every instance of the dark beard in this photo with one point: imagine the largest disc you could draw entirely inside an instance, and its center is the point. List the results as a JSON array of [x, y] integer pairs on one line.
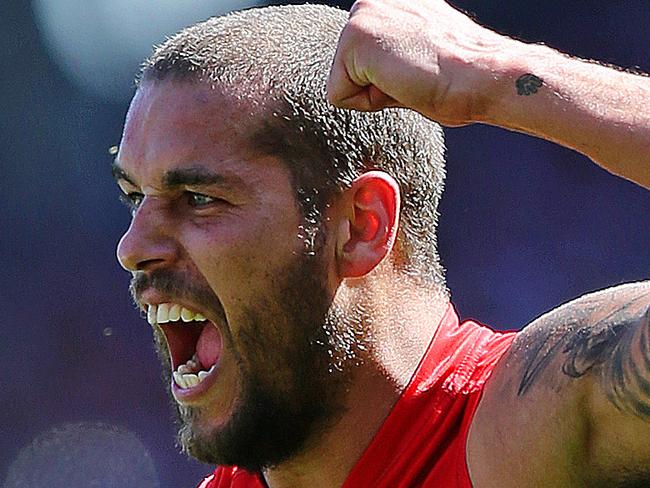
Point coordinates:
[[295, 353]]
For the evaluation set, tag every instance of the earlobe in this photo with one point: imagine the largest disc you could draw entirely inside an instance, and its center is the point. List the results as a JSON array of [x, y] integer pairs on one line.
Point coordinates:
[[368, 232]]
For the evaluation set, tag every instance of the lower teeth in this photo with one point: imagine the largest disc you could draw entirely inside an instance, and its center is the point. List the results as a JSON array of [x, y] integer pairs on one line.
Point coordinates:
[[186, 375]]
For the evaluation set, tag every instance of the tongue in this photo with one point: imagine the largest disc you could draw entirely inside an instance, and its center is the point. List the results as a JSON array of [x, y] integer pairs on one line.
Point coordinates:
[[208, 347]]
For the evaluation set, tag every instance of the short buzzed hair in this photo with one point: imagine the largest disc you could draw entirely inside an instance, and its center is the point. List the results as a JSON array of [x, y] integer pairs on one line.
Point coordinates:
[[285, 53]]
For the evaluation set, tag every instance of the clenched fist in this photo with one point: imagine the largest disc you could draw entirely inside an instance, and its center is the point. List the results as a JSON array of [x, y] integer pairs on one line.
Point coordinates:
[[419, 54]]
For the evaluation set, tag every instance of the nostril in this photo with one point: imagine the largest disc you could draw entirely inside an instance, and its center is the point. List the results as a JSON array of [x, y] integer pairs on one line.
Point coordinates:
[[150, 264], [145, 257]]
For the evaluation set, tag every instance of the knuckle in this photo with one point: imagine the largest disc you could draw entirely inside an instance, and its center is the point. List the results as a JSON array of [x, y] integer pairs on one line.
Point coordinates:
[[360, 4]]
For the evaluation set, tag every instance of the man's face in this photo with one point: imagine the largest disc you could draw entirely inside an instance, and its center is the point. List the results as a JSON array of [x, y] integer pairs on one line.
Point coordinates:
[[242, 316]]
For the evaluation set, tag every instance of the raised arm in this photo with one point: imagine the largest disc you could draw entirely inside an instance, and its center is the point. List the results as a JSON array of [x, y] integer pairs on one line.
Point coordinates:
[[427, 56]]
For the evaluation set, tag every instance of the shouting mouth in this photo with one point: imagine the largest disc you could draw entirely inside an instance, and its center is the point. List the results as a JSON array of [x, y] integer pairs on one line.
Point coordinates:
[[195, 346]]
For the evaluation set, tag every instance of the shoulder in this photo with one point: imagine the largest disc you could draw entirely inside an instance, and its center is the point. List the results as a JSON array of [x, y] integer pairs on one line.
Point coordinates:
[[537, 400], [579, 335], [578, 338], [462, 355]]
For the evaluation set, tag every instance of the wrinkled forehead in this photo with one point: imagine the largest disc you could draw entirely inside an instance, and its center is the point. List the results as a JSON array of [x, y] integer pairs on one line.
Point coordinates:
[[179, 125], [187, 116]]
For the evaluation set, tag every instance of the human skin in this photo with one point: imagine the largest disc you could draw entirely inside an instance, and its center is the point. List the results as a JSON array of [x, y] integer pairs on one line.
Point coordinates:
[[160, 136], [235, 252], [171, 125], [427, 56], [569, 404]]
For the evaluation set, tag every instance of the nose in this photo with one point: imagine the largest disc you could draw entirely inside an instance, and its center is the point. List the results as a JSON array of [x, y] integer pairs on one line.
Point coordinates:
[[147, 244]]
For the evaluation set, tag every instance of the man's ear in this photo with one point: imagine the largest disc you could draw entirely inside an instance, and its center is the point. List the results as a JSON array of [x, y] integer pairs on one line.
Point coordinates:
[[368, 228]]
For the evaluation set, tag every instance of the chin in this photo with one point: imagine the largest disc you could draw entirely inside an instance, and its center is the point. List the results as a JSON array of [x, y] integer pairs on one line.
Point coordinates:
[[201, 435], [262, 432], [199, 440]]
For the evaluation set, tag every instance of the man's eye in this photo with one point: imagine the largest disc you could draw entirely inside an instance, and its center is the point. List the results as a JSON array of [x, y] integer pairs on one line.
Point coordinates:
[[200, 200], [132, 200]]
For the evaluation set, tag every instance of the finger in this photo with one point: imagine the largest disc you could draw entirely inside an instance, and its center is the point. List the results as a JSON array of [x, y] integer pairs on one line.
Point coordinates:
[[379, 100], [368, 99], [340, 86]]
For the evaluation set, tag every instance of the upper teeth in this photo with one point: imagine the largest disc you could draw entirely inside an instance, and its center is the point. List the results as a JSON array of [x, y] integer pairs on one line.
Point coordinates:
[[171, 312]]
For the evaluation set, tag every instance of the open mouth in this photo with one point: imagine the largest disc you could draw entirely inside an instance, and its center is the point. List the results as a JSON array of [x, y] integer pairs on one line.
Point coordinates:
[[194, 343]]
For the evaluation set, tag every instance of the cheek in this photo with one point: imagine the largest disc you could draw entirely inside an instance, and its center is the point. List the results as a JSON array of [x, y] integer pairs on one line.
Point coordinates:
[[239, 263]]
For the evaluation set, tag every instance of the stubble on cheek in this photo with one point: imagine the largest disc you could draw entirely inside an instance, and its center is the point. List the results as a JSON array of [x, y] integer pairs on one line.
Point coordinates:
[[290, 353]]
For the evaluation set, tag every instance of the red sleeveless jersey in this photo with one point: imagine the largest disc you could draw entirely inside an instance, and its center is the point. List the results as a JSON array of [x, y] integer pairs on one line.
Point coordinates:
[[422, 441]]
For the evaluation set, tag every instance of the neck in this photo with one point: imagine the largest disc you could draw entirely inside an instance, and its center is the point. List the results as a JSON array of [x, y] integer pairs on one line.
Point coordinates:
[[403, 323]]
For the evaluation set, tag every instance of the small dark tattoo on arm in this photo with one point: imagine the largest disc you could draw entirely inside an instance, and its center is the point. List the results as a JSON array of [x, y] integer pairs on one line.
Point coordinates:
[[528, 84], [608, 337]]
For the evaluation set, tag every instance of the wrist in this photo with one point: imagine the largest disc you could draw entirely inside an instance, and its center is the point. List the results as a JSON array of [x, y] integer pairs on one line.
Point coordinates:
[[512, 77], [516, 76]]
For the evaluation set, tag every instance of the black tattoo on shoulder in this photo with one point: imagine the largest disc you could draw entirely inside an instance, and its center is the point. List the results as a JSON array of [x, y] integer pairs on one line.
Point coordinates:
[[606, 334], [528, 84]]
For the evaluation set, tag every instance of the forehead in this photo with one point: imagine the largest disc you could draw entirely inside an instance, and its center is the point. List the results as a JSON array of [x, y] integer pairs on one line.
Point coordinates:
[[181, 123]]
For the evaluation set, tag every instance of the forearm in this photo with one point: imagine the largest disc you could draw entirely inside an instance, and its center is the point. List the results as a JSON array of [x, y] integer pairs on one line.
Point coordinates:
[[427, 56], [599, 111]]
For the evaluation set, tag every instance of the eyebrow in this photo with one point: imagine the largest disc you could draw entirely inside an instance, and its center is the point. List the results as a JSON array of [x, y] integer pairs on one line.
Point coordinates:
[[173, 179], [194, 177]]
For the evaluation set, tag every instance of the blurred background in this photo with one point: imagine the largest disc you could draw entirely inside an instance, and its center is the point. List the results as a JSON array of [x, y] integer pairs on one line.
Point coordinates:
[[526, 225]]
